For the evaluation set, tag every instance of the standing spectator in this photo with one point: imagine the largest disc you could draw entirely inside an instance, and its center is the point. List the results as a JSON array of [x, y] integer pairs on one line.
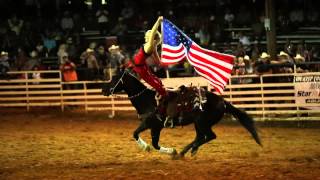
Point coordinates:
[[248, 65], [62, 52], [102, 58], [69, 73], [50, 43], [4, 64], [71, 48], [41, 50], [116, 59], [92, 65], [21, 59], [103, 20]]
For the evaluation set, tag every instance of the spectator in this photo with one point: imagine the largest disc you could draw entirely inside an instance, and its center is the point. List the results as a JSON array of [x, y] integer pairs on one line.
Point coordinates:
[[71, 48], [62, 52], [262, 65], [102, 58], [248, 65], [120, 28], [36, 75], [32, 61], [299, 60], [229, 18], [50, 43], [116, 59], [21, 59], [103, 20], [69, 73], [91, 65], [4, 64], [15, 24], [67, 23], [41, 50], [285, 60]]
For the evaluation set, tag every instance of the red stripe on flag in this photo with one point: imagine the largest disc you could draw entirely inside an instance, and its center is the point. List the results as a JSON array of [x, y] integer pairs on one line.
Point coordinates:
[[220, 56]]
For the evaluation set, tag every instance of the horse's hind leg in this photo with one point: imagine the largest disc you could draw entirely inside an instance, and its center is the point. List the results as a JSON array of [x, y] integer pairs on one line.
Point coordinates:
[[208, 136], [189, 146]]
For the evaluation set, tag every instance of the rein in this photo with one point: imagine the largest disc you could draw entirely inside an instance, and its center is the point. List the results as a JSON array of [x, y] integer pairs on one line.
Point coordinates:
[[120, 80]]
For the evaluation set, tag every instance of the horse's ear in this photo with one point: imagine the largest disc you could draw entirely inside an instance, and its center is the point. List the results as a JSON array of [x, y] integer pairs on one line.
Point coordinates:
[[182, 89]]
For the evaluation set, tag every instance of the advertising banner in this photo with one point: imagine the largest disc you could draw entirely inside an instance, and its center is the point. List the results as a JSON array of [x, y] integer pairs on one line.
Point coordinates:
[[307, 90]]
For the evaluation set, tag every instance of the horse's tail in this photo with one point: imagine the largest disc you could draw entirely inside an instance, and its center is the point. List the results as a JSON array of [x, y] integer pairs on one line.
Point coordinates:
[[245, 120]]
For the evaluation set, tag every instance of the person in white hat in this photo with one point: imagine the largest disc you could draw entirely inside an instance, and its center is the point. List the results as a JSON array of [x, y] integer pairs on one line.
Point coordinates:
[[284, 59], [262, 65], [116, 59], [299, 60]]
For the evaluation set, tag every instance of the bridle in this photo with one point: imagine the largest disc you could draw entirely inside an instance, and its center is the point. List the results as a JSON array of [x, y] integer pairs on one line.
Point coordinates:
[[121, 81]]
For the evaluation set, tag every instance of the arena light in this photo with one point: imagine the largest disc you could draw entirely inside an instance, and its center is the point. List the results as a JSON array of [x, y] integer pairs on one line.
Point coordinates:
[[103, 2]]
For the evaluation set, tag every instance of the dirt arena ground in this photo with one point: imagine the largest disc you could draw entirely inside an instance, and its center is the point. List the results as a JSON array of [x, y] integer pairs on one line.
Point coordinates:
[[75, 145]]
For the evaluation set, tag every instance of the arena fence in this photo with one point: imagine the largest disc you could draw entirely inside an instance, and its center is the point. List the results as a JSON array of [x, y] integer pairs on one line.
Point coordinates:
[[266, 97]]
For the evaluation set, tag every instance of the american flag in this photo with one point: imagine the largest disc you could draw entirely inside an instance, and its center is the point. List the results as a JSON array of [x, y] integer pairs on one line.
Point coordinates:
[[213, 66]]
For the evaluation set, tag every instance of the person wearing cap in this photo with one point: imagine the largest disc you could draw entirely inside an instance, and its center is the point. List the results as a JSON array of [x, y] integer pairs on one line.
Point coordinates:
[[69, 74], [149, 49]]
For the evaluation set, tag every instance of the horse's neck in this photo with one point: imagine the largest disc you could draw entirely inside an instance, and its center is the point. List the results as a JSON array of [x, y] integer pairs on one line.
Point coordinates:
[[141, 98]]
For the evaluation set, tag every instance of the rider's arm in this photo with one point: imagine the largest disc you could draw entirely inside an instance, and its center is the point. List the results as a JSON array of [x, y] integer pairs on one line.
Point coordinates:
[[149, 46]]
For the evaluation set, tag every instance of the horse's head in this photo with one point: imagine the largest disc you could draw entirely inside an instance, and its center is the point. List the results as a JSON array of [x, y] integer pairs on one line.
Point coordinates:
[[116, 85]]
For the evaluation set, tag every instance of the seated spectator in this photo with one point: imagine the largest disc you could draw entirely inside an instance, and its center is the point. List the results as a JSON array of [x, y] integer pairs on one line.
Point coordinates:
[[67, 23], [120, 28], [229, 18], [36, 75], [103, 20]]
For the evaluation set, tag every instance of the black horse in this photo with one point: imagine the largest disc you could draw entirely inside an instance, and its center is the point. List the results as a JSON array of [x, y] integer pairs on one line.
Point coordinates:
[[144, 101]]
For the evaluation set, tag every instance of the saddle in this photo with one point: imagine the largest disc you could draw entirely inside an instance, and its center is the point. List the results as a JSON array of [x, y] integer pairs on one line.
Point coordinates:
[[182, 102]]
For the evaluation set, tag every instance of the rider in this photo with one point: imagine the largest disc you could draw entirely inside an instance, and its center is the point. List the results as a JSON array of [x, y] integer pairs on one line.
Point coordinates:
[[152, 40]]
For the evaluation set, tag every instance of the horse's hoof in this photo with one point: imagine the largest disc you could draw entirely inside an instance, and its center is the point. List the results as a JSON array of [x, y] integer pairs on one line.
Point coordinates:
[[194, 152], [178, 156], [147, 148]]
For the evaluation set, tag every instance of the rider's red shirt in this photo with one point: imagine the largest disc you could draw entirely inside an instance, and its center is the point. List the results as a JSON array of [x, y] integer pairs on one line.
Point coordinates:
[[144, 72]]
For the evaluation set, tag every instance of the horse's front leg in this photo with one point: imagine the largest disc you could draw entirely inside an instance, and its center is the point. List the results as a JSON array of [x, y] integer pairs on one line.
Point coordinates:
[[155, 134], [142, 144]]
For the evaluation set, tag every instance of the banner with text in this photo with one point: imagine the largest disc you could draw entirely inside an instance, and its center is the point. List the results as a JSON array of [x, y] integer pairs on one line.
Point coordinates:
[[307, 90]]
